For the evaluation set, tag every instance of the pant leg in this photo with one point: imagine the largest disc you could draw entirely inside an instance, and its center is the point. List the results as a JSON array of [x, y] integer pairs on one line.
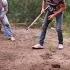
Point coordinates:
[[7, 28], [44, 28], [59, 23]]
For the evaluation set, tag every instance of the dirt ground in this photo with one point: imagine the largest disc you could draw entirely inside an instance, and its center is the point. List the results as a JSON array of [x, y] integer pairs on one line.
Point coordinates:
[[19, 55]]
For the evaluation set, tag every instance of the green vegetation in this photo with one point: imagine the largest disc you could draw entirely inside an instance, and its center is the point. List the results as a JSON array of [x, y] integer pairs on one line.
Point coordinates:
[[25, 11]]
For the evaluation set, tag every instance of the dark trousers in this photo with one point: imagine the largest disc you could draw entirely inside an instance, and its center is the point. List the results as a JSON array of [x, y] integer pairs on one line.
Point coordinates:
[[59, 22]]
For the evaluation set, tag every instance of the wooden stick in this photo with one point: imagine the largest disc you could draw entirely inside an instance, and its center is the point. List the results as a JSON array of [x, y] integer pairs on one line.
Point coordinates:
[[35, 20]]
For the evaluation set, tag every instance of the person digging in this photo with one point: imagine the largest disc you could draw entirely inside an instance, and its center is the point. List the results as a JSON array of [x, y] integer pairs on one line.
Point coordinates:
[[56, 10]]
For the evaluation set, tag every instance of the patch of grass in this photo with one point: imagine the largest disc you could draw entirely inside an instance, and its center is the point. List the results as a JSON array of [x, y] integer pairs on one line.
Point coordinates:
[[52, 48], [66, 34]]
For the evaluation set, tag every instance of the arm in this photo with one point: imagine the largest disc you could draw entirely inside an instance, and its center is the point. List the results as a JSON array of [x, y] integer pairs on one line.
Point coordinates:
[[6, 8], [5, 3], [62, 8], [43, 6]]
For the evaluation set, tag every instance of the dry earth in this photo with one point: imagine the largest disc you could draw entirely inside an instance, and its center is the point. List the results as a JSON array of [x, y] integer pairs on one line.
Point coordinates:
[[19, 55]]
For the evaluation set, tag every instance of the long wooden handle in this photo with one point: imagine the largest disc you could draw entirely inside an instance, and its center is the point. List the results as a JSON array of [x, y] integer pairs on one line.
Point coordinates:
[[35, 20]]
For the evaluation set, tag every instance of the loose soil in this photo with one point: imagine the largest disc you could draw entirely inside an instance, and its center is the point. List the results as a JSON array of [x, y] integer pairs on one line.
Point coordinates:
[[19, 55]]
